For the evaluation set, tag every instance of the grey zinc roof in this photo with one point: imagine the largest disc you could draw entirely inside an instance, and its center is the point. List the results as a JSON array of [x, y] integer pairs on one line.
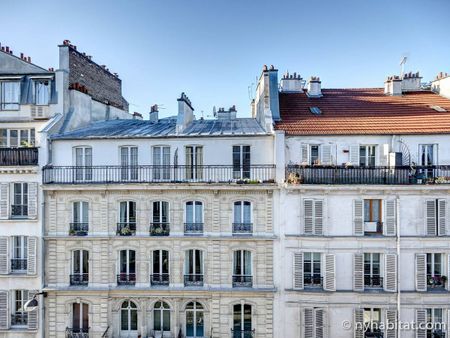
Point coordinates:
[[147, 129]]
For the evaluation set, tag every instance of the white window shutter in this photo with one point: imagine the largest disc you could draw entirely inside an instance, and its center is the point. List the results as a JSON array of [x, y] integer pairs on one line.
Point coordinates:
[[358, 217], [358, 322], [4, 310], [354, 154], [330, 273], [33, 321], [421, 272], [391, 329], [421, 318], [308, 206], [442, 215], [318, 217], [358, 272], [325, 154], [383, 155], [390, 228], [304, 153], [430, 217], [32, 253], [448, 281], [32, 200], [320, 323], [390, 272], [4, 200], [308, 323], [4, 255], [298, 271]]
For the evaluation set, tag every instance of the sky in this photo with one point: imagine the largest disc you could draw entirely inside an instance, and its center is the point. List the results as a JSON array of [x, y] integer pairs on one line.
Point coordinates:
[[214, 50]]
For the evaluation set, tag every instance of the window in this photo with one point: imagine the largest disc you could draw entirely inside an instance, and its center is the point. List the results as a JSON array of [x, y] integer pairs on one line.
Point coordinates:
[[311, 268], [19, 254], [193, 268], [127, 267], [127, 218], [241, 162], [427, 157], [367, 156], [161, 317], [435, 270], [242, 321], [41, 92], [435, 217], [372, 320], [242, 222], [242, 269], [160, 219], [17, 137], [129, 163], [314, 154], [19, 208], [10, 95], [161, 163], [435, 323], [194, 217], [80, 267], [19, 316], [372, 216], [83, 163], [128, 317], [194, 162], [160, 268], [80, 318], [195, 323], [80, 224], [372, 270]]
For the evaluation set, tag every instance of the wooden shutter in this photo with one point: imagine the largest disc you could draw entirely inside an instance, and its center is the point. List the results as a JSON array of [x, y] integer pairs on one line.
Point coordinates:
[[421, 272], [4, 255], [32, 252], [354, 155], [32, 200], [325, 154], [442, 214], [320, 323], [33, 321], [391, 326], [358, 217], [383, 155], [390, 272], [421, 317], [4, 200], [4, 310], [304, 154], [430, 217], [390, 228], [358, 272], [308, 206], [358, 322], [318, 217], [330, 273], [308, 323], [298, 271]]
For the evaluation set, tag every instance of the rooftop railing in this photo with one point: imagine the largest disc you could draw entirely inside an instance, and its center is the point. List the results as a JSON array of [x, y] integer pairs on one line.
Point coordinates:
[[254, 174], [19, 156]]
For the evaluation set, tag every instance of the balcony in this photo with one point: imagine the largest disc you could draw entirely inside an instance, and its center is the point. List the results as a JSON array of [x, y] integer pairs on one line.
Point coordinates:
[[159, 279], [312, 281], [242, 228], [375, 282], [242, 333], [405, 175], [77, 333], [375, 334], [193, 280], [240, 281], [19, 211], [435, 334], [19, 264], [159, 229], [19, 156], [193, 228], [79, 279], [126, 229], [19, 319], [126, 279], [79, 229], [147, 174]]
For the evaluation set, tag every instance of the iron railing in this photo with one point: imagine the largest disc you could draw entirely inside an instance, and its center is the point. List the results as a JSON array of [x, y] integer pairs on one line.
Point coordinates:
[[374, 334], [19, 156], [79, 229], [19, 264], [264, 173], [126, 279], [79, 279], [77, 333], [126, 229], [242, 228], [19, 319], [19, 210], [193, 228], [435, 282], [159, 229], [241, 281], [435, 334], [193, 280], [158, 279], [235, 333], [312, 280], [373, 281], [297, 174]]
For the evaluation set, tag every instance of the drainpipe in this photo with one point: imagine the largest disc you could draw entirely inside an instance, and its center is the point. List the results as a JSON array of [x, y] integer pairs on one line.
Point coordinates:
[[397, 216]]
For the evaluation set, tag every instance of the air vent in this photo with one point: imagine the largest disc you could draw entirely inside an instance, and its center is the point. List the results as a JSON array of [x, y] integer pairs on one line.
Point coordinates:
[[438, 108], [315, 110]]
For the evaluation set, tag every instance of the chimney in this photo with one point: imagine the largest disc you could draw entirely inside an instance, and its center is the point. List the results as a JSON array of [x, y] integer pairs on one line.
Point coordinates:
[[441, 85], [411, 82], [185, 113], [229, 114], [291, 83], [137, 116], [393, 86], [153, 116], [314, 87]]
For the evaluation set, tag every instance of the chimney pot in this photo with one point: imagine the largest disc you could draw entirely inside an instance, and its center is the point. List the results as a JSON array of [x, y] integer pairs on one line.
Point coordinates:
[[7, 49], [29, 59]]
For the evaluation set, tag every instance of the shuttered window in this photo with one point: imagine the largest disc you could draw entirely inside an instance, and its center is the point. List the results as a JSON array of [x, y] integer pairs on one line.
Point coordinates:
[[313, 210], [314, 323], [372, 321], [435, 269], [435, 217]]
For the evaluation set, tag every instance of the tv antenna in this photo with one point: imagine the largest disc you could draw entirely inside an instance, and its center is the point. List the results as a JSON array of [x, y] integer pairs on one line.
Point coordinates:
[[402, 65]]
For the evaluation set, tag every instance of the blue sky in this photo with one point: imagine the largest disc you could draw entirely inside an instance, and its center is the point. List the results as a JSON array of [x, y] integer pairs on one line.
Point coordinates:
[[214, 50]]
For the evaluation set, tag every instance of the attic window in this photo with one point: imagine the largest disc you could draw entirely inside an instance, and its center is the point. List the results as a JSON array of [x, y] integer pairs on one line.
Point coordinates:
[[315, 110], [438, 108]]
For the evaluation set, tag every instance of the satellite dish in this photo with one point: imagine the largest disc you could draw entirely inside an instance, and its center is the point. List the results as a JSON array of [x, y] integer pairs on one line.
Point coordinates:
[[31, 305]]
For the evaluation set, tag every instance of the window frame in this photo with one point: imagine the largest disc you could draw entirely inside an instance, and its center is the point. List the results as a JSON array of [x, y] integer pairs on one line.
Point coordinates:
[[12, 105], [366, 163]]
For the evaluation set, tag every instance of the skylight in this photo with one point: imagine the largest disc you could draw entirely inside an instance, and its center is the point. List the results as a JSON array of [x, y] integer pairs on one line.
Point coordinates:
[[438, 108], [315, 110]]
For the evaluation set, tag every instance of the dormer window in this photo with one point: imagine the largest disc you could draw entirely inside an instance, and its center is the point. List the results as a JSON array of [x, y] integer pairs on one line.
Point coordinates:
[[41, 92], [9, 95]]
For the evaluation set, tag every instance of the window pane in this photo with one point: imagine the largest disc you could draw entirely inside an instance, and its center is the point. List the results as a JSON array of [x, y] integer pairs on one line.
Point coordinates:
[[166, 320], [156, 257], [124, 320], [14, 138], [189, 212], [157, 320], [198, 212], [3, 137], [237, 212]]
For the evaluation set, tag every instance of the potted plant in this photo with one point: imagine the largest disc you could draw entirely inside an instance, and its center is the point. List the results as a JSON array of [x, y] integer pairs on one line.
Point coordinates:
[[71, 232], [444, 280], [125, 231], [293, 178]]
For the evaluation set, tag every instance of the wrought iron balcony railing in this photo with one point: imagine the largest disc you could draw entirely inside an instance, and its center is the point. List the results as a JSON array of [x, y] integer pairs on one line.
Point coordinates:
[[241, 281], [126, 229], [298, 174], [159, 279], [19, 319], [236, 333], [373, 281], [19, 264], [79, 229], [193, 228], [264, 173], [77, 333], [19, 210], [19, 156], [79, 279], [193, 280], [312, 280], [126, 279], [242, 228], [159, 229], [373, 334]]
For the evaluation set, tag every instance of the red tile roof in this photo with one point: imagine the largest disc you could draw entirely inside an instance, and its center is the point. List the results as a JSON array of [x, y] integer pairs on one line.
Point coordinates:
[[363, 111]]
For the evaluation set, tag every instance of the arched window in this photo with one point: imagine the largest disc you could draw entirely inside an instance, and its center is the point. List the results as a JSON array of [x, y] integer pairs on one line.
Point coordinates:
[[80, 318], [242, 269], [161, 317], [195, 324], [242, 321], [242, 217], [127, 267], [128, 317], [80, 267]]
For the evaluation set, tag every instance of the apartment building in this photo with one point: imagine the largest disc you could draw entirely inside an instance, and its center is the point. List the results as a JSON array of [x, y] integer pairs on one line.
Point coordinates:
[[364, 222], [161, 228]]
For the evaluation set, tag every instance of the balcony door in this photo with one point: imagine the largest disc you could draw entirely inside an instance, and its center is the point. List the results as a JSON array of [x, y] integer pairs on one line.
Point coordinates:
[[160, 267], [242, 268], [428, 157], [20, 200], [195, 323], [161, 163], [80, 318], [312, 269], [372, 270], [83, 163], [127, 266], [19, 254], [242, 321], [194, 267], [161, 319], [128, 319], [194, 163], [129, 163], [19, 316], [241, 162], [80, 267]]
